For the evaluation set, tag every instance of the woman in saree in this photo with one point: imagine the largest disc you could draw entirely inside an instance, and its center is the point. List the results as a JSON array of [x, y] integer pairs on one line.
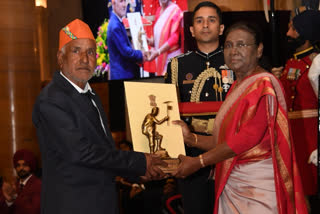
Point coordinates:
[[166, 31], [251, 145]]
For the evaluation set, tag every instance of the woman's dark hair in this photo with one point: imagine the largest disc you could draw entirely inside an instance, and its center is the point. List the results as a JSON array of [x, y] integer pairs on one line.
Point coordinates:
[[208, 4], [251, 28]]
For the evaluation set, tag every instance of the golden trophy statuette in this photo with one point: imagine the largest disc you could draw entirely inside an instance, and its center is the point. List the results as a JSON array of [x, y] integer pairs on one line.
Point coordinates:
[[149, 125]]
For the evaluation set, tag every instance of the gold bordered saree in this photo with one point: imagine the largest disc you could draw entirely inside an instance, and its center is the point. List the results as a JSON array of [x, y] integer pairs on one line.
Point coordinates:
[[230, 119]]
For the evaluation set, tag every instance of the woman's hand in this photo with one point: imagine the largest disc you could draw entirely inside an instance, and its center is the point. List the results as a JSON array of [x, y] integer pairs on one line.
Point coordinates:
[[188, 136], [188, 165], [153, 54], [150, 41]]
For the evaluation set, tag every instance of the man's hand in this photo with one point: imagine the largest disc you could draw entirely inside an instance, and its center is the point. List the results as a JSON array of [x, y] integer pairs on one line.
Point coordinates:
[[9, 191], [153, 172], [277, 71], [314, 157], [187, 166], [146, 55], [136, 189]]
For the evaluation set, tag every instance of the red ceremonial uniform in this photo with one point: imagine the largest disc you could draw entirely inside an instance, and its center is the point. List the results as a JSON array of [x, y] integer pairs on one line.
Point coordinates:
[[302, 111]]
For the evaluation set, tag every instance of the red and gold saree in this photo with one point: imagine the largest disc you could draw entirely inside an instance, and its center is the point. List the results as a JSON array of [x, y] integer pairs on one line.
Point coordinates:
[[237, 111]]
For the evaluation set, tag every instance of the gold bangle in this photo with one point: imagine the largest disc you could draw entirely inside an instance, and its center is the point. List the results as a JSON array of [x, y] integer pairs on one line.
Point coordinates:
[[196, 138], [201, 161]]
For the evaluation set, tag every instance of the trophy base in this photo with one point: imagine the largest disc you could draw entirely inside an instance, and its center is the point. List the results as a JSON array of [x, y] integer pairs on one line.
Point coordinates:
[[173, 164], [163, 154]]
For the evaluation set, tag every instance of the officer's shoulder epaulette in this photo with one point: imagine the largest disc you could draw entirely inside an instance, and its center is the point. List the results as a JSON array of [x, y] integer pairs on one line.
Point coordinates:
[[181, 55]]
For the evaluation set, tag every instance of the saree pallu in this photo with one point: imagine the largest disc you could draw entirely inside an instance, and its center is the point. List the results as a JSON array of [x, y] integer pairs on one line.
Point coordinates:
[[288, 188], [167, 30]]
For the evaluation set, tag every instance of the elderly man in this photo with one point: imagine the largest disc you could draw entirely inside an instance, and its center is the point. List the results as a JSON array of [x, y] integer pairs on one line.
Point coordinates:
[[123, 58], [79, 157], [23, 197]]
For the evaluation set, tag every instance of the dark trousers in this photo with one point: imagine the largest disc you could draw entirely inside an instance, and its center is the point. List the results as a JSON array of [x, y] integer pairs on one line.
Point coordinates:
[[197, 194]]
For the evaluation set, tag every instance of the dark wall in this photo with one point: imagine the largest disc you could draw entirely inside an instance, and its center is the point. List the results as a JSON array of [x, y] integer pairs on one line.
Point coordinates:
[[94, 13]]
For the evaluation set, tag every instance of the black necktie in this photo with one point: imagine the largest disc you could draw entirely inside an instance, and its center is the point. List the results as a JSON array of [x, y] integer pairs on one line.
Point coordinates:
[[90, 96]]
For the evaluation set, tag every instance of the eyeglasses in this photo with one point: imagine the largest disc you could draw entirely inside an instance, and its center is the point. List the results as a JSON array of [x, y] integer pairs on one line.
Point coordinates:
[[238, 46]]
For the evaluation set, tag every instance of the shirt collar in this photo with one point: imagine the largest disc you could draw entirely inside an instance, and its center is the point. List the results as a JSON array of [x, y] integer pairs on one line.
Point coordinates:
[[120, 19], [80, 90], [208, 55], [25, 180], [303, 53]]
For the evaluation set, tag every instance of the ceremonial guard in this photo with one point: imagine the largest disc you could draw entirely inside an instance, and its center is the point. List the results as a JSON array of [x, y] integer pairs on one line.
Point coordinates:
[[301, 99], [202, 80]]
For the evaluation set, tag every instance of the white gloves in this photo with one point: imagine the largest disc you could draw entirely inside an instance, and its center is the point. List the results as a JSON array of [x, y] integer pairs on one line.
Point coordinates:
[[314, 157]]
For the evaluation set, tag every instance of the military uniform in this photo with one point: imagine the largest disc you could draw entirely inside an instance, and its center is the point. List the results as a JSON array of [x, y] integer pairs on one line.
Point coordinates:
[[199, 77], [303, 113]]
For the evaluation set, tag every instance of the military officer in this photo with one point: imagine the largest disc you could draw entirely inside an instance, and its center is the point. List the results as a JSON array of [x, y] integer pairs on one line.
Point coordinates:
[[201, 75], [302, 102]]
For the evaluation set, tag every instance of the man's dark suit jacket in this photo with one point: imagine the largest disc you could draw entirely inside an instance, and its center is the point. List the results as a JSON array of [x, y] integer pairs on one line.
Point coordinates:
[[27, 201], [123, 58], [79, 160]]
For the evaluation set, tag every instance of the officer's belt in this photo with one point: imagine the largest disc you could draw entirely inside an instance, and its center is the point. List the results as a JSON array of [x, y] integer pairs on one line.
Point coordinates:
[[308, 113], [199, 108], [205, 108]]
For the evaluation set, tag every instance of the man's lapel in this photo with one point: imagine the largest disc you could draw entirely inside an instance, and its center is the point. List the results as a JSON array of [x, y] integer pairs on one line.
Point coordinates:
[[84, 106], [103, 116], [124, 31], [87, 108]]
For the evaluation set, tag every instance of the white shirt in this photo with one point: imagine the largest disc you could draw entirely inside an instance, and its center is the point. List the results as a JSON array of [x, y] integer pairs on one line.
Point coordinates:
[[117, 16], [25, 180]]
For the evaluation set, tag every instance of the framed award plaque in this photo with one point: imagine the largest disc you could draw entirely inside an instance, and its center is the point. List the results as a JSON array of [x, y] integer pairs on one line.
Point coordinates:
[[151, 108]]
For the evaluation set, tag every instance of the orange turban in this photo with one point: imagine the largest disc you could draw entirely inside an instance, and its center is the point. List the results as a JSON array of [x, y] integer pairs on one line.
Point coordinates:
[[76, 29]]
